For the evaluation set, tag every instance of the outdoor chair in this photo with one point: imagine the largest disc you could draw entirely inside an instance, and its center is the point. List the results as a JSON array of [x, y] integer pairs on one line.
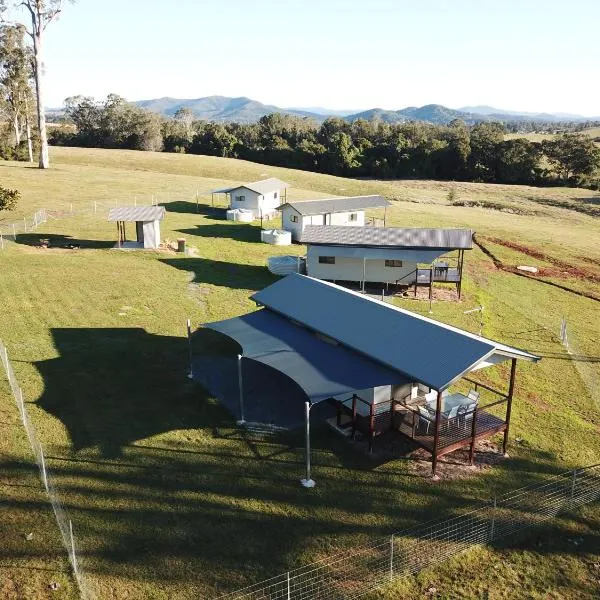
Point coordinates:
[[466, 412], [473, 395], [452, 416], [425, 415]]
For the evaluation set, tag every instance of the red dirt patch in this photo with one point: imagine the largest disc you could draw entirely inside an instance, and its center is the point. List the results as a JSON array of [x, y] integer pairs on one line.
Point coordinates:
[[562, 270]]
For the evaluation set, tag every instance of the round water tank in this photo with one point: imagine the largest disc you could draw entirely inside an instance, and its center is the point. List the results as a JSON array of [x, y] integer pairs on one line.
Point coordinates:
[[278, 237]]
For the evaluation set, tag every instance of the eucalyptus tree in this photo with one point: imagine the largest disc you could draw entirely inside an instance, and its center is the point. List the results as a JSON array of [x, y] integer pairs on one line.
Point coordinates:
[[38, 14], [15, 76]]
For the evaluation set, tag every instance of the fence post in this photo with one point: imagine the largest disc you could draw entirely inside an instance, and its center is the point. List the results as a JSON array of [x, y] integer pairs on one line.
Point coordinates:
[[493, 523], [22, 409], [289, 589], [74, 557], [25, 224], [190, 351], [95, 207], [44, 476], [14, 232], [392, 557], [1, 242]]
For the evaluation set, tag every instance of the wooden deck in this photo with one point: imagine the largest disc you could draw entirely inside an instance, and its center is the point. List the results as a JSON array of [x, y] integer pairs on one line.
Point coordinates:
[[451, 275], [453, 435]]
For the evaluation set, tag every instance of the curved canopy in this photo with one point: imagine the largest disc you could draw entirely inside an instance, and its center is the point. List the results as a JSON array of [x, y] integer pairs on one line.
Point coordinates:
[[321, 367]]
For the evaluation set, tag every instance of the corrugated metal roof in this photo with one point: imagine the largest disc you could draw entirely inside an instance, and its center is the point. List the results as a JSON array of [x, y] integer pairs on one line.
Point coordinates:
[[136, 213], [335, 205], [379, 237], [264, 186], [321, 369], [424, 350]]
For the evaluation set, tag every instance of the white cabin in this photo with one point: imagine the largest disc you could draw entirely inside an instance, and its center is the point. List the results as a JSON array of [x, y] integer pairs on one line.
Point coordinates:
[[387, 255], [261, 197], [295, 216]]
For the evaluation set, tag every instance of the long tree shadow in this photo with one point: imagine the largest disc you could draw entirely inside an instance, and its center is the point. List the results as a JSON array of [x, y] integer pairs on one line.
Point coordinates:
[[55, 240], [222, 273], [185, 207], [242, 232], [111, 387]]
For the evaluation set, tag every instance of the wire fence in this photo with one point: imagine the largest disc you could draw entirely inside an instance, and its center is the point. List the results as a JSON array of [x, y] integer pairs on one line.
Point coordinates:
[[363, 569], [587, 366], [9, 231], [65, 524]]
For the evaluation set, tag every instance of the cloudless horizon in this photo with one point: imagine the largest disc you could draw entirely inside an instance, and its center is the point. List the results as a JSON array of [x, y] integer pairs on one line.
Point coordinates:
[[533, 56]]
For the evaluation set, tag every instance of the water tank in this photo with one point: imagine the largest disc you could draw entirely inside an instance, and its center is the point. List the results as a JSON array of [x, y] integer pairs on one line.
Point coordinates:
[[286, 265], [278, 237], [240, 214]]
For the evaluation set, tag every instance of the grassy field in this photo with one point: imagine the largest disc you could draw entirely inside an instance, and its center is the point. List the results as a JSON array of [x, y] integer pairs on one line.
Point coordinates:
[[168, 498], [593, 132]]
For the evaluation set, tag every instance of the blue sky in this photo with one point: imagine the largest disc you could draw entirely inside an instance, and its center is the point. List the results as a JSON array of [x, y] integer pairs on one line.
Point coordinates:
[[514, 54]]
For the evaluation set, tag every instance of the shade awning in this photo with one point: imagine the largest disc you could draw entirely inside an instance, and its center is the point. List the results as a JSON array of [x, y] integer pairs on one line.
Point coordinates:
[[321, 368]]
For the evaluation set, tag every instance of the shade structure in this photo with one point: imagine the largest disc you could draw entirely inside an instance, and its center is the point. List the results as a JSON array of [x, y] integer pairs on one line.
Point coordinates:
[[320, 367], [421, 349]]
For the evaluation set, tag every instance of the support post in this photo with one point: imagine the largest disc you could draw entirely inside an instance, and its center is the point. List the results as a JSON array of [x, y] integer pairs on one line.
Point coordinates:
[[191, 355], [473, 434], [511, 391], [384, 215], [241, 420], [371, 426], [14, 232], [364, 273], [436, 439], [307, 482], [460, 273]]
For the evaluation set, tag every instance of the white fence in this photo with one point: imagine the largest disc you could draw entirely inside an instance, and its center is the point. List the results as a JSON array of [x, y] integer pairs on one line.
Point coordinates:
[[364, 569], [63, 519]]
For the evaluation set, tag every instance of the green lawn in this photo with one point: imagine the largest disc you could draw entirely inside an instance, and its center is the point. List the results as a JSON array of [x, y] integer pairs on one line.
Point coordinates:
[[168, 498]]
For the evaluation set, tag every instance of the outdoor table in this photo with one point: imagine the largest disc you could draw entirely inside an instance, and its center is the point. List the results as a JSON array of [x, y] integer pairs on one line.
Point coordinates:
[[449, 402]]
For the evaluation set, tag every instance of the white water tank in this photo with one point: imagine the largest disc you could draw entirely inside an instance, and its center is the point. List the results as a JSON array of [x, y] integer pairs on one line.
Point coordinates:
[[278, 237], [240, 214], [285, 265]]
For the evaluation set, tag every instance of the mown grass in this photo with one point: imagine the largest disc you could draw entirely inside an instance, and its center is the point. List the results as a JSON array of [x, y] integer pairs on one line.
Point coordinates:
[[168, 498]]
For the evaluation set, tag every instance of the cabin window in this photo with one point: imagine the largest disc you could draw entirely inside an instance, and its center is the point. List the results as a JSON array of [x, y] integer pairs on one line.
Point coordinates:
[[353, 217], [327, 260], [274, 194], [294, 218], [240, 198], [393, 263]]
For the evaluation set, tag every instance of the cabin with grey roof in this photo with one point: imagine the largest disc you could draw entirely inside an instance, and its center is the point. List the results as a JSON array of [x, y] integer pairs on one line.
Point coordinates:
[[393, 256], [340, 212]]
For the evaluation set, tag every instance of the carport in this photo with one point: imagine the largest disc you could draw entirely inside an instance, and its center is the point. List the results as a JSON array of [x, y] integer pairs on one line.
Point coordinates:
[[319, 365]]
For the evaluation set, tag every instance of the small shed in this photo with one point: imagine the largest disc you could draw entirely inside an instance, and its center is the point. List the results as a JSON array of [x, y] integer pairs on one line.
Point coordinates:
[[295, 216], [147, 225], [261, 197]]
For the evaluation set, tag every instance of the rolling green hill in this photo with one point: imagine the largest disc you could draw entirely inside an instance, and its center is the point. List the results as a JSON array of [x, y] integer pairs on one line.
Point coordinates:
[[169, 499]]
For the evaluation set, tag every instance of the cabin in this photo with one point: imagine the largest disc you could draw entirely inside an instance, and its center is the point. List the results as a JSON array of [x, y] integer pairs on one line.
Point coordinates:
[[386, 255], [295, 216], [147, 225], [261, 197], [386, 370]]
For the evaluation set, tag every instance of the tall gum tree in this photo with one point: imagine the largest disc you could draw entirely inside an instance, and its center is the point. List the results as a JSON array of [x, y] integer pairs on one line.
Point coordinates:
[[39, 13]]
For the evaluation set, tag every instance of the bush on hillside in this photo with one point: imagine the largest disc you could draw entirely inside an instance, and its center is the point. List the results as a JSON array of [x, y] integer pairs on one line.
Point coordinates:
[[9, 198]]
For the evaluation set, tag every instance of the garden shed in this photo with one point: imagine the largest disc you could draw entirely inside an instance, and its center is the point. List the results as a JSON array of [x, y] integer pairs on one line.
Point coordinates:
[[147, 225]]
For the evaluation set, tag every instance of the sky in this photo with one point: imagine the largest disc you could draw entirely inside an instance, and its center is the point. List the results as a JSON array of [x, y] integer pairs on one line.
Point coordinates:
[[529, 55]]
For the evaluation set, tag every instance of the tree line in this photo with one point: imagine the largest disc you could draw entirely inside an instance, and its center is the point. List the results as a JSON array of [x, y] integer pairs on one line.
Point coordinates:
[[354, 149]]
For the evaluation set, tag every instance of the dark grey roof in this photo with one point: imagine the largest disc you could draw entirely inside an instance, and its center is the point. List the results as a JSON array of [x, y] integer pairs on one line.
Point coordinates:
[[381, 237], [136, 213], [422, 349], [264, 186], [321, 369], [335, 205]]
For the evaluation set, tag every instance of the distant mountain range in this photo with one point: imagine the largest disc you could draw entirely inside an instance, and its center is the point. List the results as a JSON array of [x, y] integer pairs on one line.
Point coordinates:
[[246, 110]]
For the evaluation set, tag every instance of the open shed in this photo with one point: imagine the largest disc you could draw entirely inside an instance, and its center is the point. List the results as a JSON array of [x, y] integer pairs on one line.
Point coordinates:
[[385, 368], [147, 225]]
